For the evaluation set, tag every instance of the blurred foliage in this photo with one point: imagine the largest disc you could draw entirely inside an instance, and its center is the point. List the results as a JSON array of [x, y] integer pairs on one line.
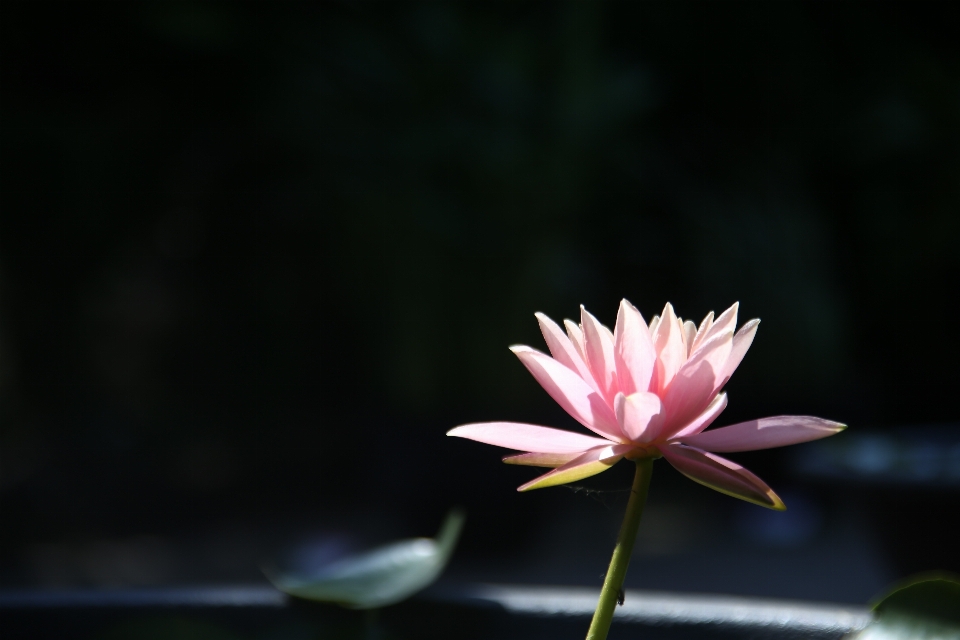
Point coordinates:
[[924, 607], [258, 257], [377, 577]]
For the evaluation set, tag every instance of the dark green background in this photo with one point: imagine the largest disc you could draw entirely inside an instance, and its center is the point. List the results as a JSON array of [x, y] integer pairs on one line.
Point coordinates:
[[256, 258]]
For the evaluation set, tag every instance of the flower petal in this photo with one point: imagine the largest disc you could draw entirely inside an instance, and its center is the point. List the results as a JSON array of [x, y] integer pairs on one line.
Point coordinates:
[[741, 342], [721, 475], [563, 350], [553, 460], [765, 433], [527, 437], [576, 336], [702, 332], [670, 351], [589, 464], [633, 350], [598, 348], [695, 385], [688, 334], [705, 419], [570, 391], [640, 415], [726, 322], [654, 323]]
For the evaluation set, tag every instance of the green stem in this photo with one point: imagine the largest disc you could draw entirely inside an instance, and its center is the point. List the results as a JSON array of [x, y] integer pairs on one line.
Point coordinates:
[[612, 584]]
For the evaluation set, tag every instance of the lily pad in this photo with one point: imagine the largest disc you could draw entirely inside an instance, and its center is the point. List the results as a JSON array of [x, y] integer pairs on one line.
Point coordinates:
[[378, 577], [927, 607]]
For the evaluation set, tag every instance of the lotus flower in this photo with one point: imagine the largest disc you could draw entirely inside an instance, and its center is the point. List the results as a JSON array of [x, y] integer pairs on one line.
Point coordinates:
[[645, 391]]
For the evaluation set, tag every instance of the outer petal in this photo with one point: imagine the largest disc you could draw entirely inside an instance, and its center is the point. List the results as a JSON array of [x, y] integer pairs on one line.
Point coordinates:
[[696, 383], [705, 419], [741, 342], [576, 397], [589, 464], [640, 415], [765, 433], [721, 475], [633, 350], [563, 350], [553, 460], [598, 348], [671, 353], [527, 437]]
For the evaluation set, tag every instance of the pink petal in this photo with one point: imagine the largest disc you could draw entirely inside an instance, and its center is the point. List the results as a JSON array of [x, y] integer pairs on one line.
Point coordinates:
[[688, 334], [633, 350], [694, 386], [527, 437], [570, 391], [589, 464], [640, 415], [721, 475], [765, 433], [598, 347], [702, 332], [553, 460], [741, 342], [705, 419], [654, 323], [576, 336], [726, 322], [563, 350], [670, 351]]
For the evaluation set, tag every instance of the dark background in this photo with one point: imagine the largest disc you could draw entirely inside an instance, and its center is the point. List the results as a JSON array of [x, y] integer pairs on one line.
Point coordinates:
[[257, 258]]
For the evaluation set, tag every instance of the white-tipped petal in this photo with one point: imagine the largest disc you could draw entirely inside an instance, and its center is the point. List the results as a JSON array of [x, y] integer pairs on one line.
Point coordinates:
[[575, 333], [702, 332], [598, 347], [694, 386], [633, 350], [669, 345], [726, 322], [689, 332], [741, 343], [563, 350]]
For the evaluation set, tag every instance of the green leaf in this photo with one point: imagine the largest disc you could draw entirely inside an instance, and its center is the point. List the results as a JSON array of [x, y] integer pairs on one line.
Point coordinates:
[[926, 607], [381, 576]]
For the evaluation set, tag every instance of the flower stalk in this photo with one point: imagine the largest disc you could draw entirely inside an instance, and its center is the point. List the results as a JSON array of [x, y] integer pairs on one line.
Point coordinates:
[[613, 583]]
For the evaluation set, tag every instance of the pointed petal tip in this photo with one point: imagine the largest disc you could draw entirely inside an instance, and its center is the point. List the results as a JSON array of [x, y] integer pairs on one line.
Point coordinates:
[[776, 503]]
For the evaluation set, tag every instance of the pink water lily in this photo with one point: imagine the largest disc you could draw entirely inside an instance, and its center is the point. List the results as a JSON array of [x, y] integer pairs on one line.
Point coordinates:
[[645, 391]]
